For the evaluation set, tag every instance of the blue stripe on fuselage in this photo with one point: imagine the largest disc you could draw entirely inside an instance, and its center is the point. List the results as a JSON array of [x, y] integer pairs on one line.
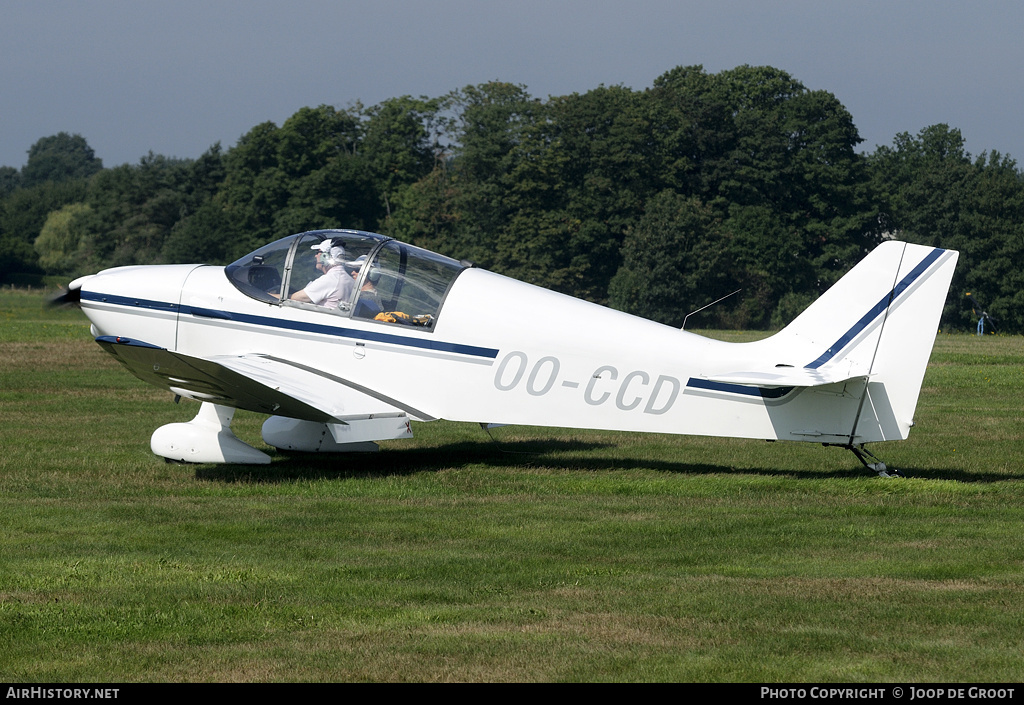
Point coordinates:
[[269, 322], [132, 301]]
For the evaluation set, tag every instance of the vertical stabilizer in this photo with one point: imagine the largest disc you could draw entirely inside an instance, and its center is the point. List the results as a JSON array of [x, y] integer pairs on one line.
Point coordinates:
[[879, 321]]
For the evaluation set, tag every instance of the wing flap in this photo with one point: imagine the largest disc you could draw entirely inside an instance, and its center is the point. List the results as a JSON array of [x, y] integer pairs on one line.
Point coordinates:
[[305, 384]]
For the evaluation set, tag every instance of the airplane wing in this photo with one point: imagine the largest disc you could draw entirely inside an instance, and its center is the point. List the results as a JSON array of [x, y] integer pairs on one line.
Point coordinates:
[[256, 382], [350, 400]]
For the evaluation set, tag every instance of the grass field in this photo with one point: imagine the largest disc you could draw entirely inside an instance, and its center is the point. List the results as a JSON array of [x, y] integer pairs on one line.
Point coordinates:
[[542, 555]]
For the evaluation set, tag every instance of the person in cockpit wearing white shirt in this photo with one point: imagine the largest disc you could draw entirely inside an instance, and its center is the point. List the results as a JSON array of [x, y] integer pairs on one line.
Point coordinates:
[[335, 285]]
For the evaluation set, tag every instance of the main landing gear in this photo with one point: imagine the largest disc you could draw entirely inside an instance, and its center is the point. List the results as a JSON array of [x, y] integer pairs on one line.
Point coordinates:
[[863, 455], [205, 439]]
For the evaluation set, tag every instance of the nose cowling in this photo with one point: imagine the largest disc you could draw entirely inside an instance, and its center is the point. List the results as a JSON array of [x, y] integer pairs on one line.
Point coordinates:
[[140, 303]]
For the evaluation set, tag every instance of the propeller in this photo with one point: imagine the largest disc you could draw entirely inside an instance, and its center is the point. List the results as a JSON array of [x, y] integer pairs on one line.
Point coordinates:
[[67, 297]]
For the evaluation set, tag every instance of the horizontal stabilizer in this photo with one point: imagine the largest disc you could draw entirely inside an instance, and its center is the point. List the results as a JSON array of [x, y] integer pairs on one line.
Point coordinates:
[[789, 377]]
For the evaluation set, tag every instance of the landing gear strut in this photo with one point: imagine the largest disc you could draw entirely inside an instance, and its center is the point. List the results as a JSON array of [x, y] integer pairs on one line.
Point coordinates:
[[878, 466], [866, 457]]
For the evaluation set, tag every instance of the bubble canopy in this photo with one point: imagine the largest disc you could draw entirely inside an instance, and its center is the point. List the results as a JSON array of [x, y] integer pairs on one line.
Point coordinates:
[[393, 282]]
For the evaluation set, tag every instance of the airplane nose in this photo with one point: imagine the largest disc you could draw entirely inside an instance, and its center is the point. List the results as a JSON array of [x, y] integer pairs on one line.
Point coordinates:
[[140, 303]]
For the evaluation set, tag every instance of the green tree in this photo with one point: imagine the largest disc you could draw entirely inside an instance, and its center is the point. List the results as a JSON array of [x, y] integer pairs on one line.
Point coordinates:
[[692, 125], [778, 165], [22, 216], [674, 261], [400, 145], [582, 175], [61, 157], [767, 261], [492, 122], [936, 194], [462, 206], [307, 174], [206, 177], [540, 191], [10, 179], [60, 239], [210, 235], [920, 179], [133, 209]]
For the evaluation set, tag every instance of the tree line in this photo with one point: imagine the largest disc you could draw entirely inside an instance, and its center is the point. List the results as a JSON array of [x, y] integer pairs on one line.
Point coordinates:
[[654, 201]]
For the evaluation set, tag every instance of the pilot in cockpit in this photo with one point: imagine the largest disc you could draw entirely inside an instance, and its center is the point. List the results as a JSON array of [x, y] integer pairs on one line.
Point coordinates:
[[334, 285]]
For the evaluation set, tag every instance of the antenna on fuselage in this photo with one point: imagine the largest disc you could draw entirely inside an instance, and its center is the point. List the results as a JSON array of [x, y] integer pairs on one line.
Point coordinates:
[[683, 327]]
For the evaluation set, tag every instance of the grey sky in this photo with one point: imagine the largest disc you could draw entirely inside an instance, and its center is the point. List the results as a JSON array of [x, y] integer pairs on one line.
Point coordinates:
[[174, 78]]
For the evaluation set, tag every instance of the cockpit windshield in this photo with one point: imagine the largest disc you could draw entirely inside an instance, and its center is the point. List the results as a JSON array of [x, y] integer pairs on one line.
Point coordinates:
[[350, 273], [291, 263]]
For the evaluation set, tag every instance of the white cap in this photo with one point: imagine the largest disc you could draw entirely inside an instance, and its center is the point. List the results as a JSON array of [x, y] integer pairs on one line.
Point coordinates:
[[335, 254]]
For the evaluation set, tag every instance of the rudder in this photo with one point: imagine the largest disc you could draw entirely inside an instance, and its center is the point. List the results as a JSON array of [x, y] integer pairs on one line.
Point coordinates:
[[908, 333]]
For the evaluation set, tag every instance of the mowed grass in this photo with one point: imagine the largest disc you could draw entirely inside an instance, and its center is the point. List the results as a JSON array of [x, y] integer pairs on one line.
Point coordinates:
[[538, 555]]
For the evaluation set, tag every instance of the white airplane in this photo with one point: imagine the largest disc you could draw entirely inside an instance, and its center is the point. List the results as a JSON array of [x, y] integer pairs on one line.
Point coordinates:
[[425, 337]]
